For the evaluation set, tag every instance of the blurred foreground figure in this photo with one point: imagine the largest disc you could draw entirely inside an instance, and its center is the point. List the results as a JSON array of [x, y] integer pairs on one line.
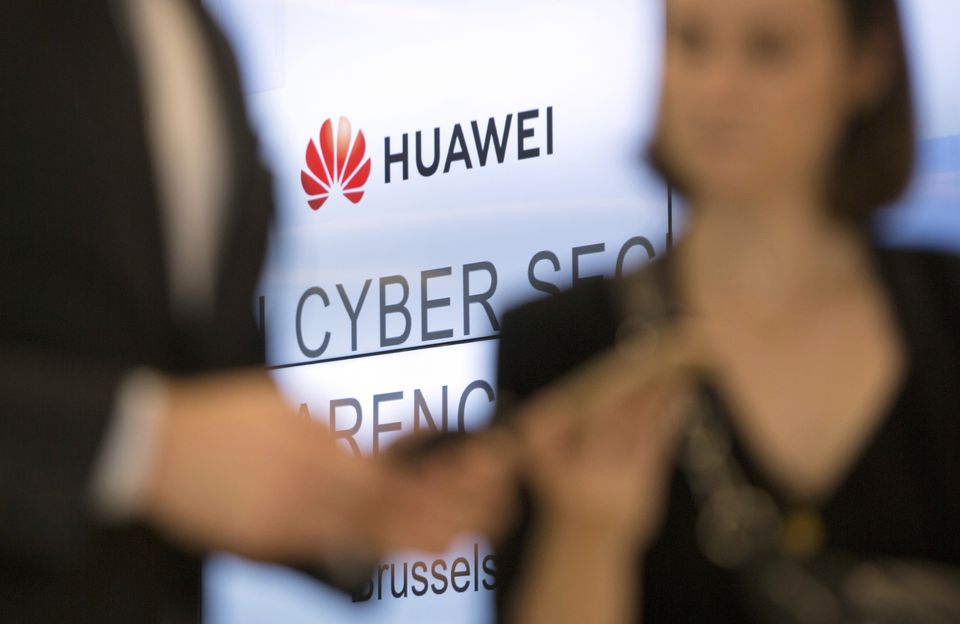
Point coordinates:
[[138, 429], [775, 437]]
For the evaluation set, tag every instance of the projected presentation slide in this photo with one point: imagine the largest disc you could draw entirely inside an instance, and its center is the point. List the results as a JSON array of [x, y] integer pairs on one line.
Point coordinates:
[[437, 163]]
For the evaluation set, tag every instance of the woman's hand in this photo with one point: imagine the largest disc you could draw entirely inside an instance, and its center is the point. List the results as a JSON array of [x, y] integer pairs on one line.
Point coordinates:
[[598, 450], [599, 446]]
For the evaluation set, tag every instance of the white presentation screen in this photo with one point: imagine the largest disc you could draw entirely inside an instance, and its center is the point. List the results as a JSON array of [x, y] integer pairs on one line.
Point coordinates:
[[437, 162]]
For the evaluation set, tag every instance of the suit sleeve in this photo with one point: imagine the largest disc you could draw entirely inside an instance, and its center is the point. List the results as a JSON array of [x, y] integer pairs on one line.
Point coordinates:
[[56, 408]]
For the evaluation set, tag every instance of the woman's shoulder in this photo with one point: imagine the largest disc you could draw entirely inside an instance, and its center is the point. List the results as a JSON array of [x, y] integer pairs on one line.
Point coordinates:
[[543, 339], [927, 287], [584, 305], [934, 263], [546, 338], [926, 283]]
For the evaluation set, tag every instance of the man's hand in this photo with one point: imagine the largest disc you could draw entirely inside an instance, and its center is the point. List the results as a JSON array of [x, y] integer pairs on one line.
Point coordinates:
[[238, 470], [466, 485]]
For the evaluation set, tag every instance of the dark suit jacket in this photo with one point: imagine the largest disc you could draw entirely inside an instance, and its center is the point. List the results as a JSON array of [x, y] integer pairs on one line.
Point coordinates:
[[84, 299], [900, 500]]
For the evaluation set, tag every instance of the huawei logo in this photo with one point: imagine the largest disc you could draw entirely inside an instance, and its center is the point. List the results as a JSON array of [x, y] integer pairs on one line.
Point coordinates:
[[336, 166]]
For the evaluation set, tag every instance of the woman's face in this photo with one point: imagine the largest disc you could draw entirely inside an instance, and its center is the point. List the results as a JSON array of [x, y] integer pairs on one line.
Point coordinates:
[[757, 94]]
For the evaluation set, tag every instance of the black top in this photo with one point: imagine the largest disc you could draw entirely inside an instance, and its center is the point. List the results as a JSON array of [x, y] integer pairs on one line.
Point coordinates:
[[901, 498]]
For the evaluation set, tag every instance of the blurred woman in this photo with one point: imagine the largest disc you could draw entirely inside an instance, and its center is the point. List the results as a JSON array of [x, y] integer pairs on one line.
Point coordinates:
[[833, 364]]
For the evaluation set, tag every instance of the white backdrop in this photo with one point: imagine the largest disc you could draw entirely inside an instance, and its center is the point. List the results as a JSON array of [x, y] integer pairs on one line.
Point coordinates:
[[395, 67], [587, 70]]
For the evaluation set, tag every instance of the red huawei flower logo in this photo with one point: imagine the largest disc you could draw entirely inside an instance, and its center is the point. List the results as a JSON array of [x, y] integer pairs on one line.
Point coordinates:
[[339, 168]]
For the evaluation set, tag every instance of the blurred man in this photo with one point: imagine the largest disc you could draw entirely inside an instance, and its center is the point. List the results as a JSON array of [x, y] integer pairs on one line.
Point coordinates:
[[135, 434]]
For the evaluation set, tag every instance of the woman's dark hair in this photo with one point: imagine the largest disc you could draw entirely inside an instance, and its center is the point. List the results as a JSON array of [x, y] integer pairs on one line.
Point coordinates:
[[874, 160]]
